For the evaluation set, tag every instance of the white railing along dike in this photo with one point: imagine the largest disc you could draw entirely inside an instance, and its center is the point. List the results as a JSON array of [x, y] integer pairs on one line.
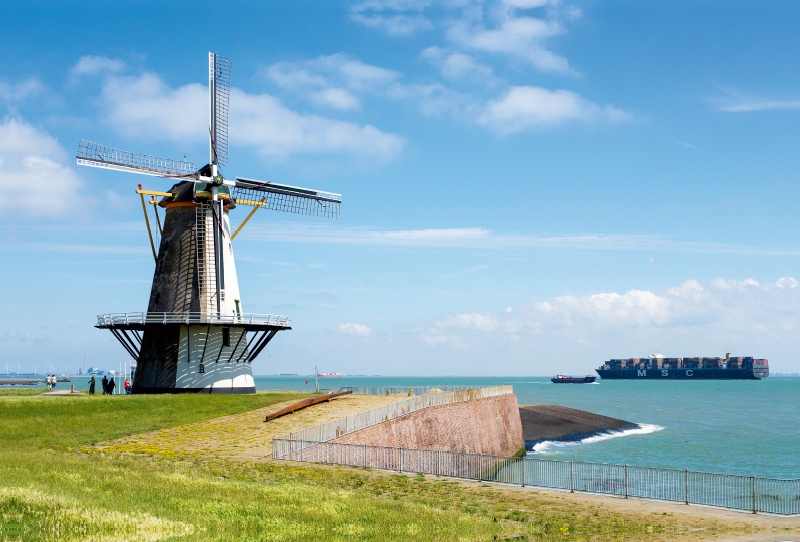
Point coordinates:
[[362, 420], [127, 318], [750, 493]]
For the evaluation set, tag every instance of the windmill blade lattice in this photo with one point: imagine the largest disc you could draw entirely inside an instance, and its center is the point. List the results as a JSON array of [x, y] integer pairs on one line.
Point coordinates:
[[289, 199], [96, 155], [219, 77]]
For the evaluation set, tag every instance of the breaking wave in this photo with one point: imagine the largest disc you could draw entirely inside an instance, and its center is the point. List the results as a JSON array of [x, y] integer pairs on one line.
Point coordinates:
[[641, 429]]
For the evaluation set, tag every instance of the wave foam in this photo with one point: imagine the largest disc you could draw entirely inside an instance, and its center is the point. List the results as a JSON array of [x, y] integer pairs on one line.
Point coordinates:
[[642, 429]]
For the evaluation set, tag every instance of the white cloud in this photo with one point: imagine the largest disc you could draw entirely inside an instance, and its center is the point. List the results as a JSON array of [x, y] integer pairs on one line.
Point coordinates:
[[482, 238], [732, 310], [93, 65], [457, 65], [338, 98], [527, 107], [394, 17], [144, 106], [339, 81], [521, 37], [35, 164], [20, 91], [261, 122], [739, 101], [355, 329]]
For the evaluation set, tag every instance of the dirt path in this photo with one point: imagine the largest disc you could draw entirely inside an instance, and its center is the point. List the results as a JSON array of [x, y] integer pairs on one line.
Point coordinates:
[[244, 436]]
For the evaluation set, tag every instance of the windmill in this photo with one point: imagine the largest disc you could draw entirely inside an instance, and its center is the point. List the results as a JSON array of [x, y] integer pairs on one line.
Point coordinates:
[[195, 336]]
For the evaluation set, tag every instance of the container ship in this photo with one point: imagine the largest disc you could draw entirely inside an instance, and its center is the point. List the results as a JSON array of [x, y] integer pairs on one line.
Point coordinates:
[[661, 368]]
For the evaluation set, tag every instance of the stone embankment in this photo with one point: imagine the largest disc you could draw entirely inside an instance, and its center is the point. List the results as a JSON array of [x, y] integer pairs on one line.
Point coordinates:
[[553, 422], [489, 426]]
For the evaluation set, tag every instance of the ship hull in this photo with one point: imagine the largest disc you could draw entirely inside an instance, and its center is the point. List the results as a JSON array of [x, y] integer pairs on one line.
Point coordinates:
[[683, 374], [572, 380]]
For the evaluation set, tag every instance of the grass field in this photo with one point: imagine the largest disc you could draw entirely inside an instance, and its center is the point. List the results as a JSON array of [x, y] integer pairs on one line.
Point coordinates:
[[51, 490]]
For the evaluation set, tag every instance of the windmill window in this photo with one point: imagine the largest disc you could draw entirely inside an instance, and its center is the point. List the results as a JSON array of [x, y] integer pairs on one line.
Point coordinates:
[[226, 336], [158, 297]]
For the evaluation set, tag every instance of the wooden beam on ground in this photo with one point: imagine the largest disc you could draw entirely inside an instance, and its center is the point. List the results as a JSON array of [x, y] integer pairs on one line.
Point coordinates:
[[305, 403]]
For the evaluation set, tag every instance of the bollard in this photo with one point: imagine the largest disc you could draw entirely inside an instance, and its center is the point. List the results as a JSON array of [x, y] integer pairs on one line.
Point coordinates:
[[626, 480], [73, 389], [686, 491], [572, 477]]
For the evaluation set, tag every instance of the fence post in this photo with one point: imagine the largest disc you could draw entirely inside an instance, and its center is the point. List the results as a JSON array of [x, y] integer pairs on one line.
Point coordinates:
[[523, 471], [401, 461], [572, 477], [301, 452], [365, 456], [755, 502], [626, 480], [686, 490], [438, 462]]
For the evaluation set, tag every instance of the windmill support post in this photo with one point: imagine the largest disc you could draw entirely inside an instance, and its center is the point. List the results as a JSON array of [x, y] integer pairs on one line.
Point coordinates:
[[147, 221], [157, 326]]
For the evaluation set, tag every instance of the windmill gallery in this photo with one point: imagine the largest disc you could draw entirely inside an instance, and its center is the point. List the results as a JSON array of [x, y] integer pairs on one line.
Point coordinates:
[[195, 336]]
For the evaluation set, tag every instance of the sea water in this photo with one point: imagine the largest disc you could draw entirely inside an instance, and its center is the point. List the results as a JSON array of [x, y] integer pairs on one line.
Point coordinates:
[[749, 427]]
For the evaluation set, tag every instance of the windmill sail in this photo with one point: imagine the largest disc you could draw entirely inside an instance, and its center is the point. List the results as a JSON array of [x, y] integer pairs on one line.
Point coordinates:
[[219, 89], [283, 197], [96, 155]]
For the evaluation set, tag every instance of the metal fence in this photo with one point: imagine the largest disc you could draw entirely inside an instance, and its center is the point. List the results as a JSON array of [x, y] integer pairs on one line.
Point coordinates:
[[751, 493], [403, 390], [362, 420]]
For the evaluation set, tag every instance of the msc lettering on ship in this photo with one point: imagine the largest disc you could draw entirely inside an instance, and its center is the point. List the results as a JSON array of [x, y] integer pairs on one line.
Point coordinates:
[[642, 372]]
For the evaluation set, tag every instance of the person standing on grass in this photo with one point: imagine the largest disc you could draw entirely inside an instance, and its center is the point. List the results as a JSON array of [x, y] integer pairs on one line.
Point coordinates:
[[91, 386], [104, 382], [111, 386], [53, 380], [127, 385], [47, 382]]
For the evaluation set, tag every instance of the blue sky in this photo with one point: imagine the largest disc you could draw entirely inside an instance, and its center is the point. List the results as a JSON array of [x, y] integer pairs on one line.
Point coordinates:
[[527, 184]]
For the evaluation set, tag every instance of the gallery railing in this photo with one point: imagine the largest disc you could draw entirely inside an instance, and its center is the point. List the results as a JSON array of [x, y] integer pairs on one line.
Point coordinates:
[[128, 318], [751, 493], [403, 390], [362, 420]]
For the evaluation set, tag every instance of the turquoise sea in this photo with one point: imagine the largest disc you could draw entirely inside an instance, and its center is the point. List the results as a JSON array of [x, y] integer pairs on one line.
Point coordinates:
[[738, 427], [749, 427]]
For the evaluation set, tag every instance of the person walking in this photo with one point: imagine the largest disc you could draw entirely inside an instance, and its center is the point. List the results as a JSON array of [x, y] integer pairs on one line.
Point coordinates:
[[91, 386], [53, 380], [111, 386], [127, 385], [104, 382]]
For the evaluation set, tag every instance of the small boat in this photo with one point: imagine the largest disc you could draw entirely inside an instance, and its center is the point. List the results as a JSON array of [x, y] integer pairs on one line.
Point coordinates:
[[564, 379]]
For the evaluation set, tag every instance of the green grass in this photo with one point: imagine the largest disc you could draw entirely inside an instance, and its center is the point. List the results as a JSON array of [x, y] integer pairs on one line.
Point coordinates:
[[51, 491], [21, 391]]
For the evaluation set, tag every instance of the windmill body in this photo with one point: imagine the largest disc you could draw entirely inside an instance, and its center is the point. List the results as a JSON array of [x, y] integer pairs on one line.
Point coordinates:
[[195, 335]]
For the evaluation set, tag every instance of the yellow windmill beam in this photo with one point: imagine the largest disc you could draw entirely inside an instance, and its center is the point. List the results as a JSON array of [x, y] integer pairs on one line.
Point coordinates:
[[256, 205], [153, 193], [147, 221]]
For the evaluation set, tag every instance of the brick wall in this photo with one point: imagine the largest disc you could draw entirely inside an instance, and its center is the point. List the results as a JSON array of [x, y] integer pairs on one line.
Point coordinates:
[[488, 426]]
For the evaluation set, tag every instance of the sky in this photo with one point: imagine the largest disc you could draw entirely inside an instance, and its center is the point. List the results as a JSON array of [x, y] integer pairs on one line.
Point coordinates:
[[527, 185]]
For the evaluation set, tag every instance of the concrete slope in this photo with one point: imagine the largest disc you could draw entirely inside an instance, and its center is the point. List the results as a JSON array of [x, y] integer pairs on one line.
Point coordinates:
[[553, 422]]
